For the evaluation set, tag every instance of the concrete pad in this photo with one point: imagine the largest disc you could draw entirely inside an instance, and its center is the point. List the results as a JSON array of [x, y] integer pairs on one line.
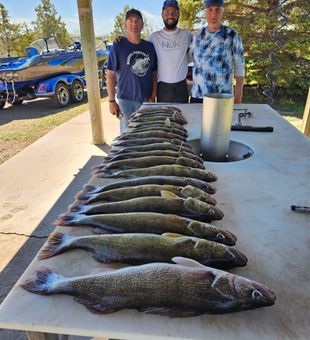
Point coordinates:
[[50, 170]]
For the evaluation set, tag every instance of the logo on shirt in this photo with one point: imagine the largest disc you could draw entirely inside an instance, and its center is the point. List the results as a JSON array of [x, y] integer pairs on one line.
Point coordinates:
[[172, 44], [139, 63]]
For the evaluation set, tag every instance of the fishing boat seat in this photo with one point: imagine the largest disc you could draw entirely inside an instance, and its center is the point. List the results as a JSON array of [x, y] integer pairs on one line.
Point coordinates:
[[31, 51]]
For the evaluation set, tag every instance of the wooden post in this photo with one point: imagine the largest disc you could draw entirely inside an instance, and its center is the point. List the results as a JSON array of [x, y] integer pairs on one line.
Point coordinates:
[[91, 68], [306, 117]]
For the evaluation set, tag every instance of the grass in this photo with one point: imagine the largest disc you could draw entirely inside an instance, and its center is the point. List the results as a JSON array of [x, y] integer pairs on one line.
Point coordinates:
[[18, 134], [285, 107], [28, 129]]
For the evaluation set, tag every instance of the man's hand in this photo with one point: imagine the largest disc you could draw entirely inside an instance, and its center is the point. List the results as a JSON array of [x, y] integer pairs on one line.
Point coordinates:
[[238, 90], [118, 38], [114, 109], [151, 99]]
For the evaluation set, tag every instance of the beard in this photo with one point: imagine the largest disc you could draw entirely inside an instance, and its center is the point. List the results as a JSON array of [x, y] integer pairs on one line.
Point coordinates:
[[171, 26]]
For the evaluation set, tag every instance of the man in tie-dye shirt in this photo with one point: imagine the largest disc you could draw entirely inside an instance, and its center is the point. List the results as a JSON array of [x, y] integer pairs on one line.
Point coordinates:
[[217, 57]]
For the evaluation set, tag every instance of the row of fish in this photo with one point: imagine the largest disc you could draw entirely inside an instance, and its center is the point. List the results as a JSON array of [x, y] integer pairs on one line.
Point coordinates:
[[156, 218]]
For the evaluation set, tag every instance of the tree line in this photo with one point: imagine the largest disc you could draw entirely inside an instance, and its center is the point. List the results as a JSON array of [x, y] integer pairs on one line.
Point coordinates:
[[255, 20]]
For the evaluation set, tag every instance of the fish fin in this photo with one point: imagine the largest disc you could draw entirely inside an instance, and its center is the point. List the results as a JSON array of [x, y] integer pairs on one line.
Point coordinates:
[[43, 283], [83, 198], [106, 174], [171, 312], [168, 122], [96, 307], [56, 244], [172, 235], [90, 189], [67, 219], [77, 208], [186, 262], [167, 194]]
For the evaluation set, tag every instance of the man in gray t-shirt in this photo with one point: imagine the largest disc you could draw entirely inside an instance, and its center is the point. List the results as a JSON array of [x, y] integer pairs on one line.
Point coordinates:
[[171, 45]]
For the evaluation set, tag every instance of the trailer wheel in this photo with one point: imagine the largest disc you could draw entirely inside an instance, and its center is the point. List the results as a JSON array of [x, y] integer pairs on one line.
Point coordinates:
[[62, 95], [77, 92]]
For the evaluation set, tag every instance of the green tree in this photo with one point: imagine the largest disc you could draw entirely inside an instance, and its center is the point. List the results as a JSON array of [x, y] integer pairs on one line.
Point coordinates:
[[7, 32], [256, 20], [119, 29], [191, 14], [49, 24], [13, 37]]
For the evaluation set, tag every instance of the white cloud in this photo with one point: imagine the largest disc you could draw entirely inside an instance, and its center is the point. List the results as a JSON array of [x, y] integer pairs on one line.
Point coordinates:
[[153, 20]]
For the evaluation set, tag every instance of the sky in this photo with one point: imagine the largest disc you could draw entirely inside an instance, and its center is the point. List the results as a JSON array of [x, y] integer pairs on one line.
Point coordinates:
[[104, 12]]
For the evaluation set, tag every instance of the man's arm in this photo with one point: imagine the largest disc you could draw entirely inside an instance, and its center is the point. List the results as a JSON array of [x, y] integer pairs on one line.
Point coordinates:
[[238, 89], [111, 83], [153, 95]]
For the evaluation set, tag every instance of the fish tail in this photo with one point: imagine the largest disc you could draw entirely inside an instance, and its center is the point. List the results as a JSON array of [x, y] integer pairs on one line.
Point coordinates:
[[99, 168], [56, 244], [43, 283], [89, 189], [107, 159], [106, 173], [83, 197], [77, 208], [67, 219]]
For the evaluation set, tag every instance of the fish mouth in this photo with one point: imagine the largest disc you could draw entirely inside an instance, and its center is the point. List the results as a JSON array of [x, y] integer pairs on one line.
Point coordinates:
[[240, 259], [225, 237], [269, 297]]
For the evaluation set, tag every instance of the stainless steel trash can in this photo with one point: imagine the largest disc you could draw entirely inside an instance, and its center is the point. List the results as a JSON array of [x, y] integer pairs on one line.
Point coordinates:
[[216, 125]]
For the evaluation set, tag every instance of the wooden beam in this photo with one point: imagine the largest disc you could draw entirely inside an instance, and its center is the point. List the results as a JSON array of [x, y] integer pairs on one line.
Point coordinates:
[[91, 68], [306, 117]]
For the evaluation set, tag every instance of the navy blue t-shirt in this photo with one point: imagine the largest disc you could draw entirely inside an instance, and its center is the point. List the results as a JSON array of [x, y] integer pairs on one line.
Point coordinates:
[[134, 65]]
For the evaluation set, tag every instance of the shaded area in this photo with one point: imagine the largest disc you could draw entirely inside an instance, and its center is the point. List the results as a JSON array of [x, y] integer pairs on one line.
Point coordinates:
[[37, 108], [10, 275]]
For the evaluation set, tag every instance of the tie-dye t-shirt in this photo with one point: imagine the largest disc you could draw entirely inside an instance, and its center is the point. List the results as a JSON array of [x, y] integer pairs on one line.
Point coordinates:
[[217, 56]]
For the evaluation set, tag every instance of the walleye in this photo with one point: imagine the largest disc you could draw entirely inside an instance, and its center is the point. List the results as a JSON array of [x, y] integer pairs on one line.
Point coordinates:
[[144, 222], [166, 123], [163, 108], [161, 180], [151, 140], [182, 132], [151, 147], [163, 170], [148, 115], [126, 193], [150, 134], [176, 290], [146, 162], [146, 248], [150, 118], [188, 207], [169, 153]]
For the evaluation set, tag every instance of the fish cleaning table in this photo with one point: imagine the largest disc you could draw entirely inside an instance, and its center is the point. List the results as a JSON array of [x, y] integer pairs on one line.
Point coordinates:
[[255, 195]]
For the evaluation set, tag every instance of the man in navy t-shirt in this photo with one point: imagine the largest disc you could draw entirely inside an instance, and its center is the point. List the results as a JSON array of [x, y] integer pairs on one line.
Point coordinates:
[[132, 67]]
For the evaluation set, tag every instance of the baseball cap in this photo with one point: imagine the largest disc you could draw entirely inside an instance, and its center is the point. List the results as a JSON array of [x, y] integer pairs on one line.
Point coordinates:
[[134, 12], [170, 3], [208, 3]]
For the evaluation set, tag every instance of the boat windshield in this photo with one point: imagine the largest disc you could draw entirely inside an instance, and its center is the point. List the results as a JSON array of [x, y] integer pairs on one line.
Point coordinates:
[[46, 45]]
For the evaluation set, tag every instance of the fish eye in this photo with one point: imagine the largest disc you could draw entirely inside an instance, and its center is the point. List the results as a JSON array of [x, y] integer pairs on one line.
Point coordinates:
[[211, 212], [256, 294], [220, 236]]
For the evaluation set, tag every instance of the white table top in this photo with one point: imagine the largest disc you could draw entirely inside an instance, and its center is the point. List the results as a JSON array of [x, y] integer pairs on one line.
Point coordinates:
[[255, 195]]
